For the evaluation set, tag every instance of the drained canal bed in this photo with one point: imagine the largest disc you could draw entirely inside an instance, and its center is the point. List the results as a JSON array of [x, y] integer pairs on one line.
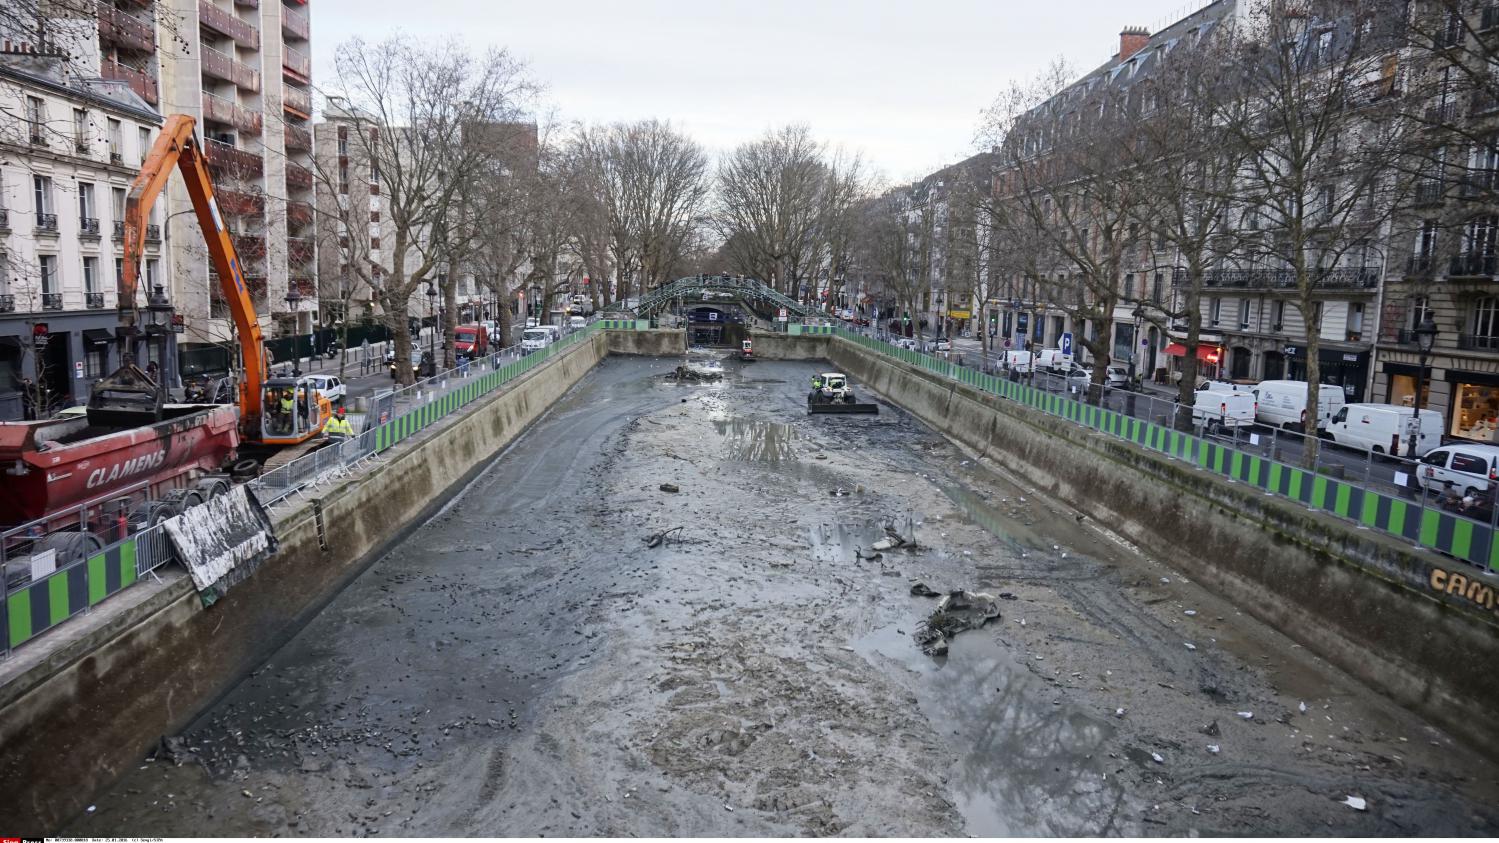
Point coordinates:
[[529, 663]]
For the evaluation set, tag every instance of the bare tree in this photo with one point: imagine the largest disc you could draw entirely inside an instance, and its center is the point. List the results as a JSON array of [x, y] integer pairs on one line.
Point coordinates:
[[418, 114], [1326, 162]]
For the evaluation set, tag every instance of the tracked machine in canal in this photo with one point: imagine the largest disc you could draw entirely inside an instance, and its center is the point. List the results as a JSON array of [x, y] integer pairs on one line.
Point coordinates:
[[831, 393]]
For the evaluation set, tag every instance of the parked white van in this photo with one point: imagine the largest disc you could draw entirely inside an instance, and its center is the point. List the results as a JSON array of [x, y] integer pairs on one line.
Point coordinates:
[[1283, 404], [535, 339], [1219, 411], [1384, 429], [1466, 469], [1019, 361], [1053, 360]]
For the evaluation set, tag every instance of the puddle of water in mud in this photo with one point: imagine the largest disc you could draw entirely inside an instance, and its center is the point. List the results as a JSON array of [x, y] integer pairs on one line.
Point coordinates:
[[1032, 767], [843, 542], [757, 441]]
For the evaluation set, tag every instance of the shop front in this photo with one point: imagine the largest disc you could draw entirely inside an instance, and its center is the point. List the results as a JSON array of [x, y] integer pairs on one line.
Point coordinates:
[[1341, 367], [1474, 410], [1209, 358]]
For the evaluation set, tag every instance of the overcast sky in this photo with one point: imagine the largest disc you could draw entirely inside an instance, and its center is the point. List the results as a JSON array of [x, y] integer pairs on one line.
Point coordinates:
[[901, 81]]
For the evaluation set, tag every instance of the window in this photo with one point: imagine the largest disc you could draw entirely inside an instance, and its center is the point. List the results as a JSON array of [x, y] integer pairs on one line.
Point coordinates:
[[343, 140], [1129, 287], [1316, 317], [1486, 318], [119, 272], [1478, 236], [1158, 289], [94, 356], [86, 202], [343, 177], [116, 141], [1426, 240], [151, 275], [36, 116], [91, 275], [117, 203], [143, 135], [47, 270], [41, 190], [1469, 464], [1355, 320], [1324, 46], [374, 172], [1215, 310], [80, 129], [1243, 314], [1278, 312], [1420, 309]]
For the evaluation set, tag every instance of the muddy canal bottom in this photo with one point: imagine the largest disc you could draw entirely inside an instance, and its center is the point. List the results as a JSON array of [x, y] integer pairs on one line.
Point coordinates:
[[755, 672]]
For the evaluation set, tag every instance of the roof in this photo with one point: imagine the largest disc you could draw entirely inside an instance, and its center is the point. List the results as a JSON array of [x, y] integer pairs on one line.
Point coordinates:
[[105, 93]]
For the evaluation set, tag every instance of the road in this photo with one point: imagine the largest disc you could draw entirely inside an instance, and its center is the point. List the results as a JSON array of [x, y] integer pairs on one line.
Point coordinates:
[[527, 663]]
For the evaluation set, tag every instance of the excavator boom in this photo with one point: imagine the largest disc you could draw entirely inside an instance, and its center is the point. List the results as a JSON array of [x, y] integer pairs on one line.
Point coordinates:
[[122, 395]]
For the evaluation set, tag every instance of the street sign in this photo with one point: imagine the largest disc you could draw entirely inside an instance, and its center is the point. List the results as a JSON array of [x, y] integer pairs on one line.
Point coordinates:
[[1065, 342], [78, 370], [781, 315], [1007, 342]]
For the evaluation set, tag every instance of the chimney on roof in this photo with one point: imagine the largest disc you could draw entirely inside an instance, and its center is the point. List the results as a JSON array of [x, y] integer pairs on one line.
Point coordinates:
[[1131, 40]]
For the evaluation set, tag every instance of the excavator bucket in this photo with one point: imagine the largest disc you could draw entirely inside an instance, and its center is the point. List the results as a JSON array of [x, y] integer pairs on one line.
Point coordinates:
[[126, 398]]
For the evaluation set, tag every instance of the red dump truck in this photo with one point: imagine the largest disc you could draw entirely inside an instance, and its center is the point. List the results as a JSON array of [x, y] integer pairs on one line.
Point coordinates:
[[68, 475]]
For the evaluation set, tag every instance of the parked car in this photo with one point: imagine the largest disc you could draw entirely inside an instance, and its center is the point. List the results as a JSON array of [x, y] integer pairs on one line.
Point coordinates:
[[1466, 469], [942, 344], [1384, 429], [535, 339], [532, 321], [1283, 404], [1018, 361], [1053, 360], [331, 387], [471, 341], [1117, 377], [1220, 411], [908, 343], [576, 322]]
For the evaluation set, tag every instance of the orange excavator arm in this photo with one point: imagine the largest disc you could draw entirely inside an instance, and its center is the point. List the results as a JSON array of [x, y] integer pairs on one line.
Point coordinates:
[[178, 145]]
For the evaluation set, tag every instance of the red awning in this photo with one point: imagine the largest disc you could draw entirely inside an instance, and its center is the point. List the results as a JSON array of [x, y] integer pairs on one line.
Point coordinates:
[[1209, 353]]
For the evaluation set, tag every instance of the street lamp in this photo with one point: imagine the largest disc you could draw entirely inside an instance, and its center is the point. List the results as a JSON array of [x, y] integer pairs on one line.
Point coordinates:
[[159, 324], [293, 299], [1134, 347], [1426, 335], [432, 337]]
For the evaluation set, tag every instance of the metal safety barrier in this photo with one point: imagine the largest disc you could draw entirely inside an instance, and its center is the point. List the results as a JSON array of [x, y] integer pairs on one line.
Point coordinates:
[[1410, 515]]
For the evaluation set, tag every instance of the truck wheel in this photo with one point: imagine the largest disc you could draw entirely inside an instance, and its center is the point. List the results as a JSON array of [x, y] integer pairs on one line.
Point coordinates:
[[244, 469], [70, 545], [212, 487]]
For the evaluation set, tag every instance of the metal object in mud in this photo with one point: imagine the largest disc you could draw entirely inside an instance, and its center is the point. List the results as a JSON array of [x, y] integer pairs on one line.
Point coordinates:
[[958, 612]]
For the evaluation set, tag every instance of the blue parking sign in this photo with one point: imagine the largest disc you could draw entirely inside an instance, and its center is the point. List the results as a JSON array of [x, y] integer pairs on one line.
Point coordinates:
[[1065, 343]]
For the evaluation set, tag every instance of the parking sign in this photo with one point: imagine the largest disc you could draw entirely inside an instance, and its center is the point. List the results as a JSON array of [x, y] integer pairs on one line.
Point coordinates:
[[1065, 343]]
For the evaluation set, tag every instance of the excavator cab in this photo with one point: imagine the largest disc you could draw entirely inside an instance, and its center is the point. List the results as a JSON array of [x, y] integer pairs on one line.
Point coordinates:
[[293, 411]]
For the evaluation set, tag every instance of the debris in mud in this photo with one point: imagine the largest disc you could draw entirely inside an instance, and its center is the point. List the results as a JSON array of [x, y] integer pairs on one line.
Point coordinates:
[[174, 750], [663, 537], [1247, 715], [958, 612], [839, 492], [696, 372], [1212, 730], [1005, 595], [873, 557], [1357, 803], [1156, 757], [670, 487], [921, 589], [893, 540]]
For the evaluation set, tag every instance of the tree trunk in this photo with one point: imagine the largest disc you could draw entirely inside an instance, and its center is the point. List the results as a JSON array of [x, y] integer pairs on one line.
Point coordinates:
[[397, 310], [1186, 390], [1311, 444], [450, 324]]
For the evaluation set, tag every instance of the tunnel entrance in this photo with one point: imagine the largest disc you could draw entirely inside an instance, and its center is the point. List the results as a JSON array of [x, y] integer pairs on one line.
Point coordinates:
[[716, 327]]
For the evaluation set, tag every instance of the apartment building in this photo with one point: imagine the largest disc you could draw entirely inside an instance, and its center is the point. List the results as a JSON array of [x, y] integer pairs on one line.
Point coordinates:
[[64, 170], [243, 70]]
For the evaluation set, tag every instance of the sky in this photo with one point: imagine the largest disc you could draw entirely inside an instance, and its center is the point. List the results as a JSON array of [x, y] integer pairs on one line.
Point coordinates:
[[903, 83]]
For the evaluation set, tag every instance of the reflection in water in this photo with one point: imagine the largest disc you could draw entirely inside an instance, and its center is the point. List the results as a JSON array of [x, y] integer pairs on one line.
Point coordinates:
[[1031, 767], [758, 441], [845, 542]]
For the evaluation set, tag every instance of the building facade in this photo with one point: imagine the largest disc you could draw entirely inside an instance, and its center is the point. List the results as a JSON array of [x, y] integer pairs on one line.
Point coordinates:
[[64, 170]]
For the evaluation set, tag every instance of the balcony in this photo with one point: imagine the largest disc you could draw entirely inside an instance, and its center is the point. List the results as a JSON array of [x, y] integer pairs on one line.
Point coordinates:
[[46, 224], [226, 160], [247, 4], [250, 246], [298, 139], [240, 204], [1420, 266], [297, 63], [119, 230], [298, 214], [1484, 99], [153, 234], [1429, 192], [141, 83], [119, 27], [299, 251], [51, 301], [1477, 342], [297, 101], [298, 177], [1489, 19], [225, 23], [7, 303], [302, 284], [1336, 278], [93, 301], [4, 220], [88, 228], [294, 25], [1471, 266], [1441, 114], [223, 66], [1477, 184], [223, 111]]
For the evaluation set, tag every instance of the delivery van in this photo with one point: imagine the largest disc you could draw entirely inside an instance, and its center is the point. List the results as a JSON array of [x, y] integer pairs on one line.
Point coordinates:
[[471, 341], [1220, 411], [1384, 429], [1283, 404], [1053, 360], [1019, 361]]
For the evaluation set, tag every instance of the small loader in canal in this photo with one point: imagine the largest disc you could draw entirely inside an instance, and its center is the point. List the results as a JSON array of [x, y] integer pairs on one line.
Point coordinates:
[[832, 394]]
